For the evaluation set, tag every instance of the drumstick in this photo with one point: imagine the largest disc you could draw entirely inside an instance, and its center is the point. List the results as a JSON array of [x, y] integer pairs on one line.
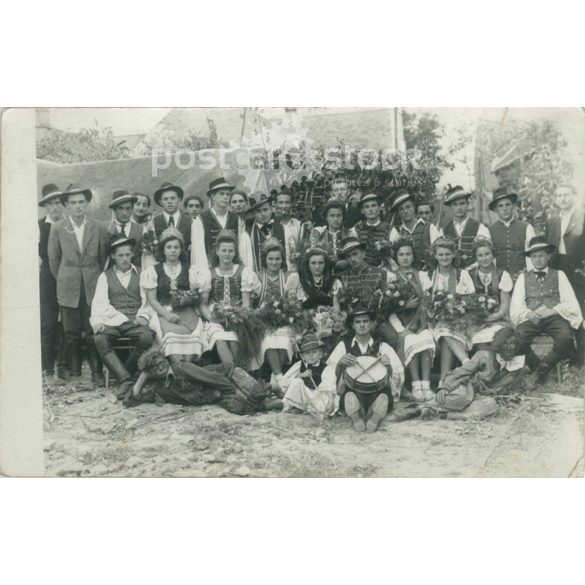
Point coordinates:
[[367, 370]]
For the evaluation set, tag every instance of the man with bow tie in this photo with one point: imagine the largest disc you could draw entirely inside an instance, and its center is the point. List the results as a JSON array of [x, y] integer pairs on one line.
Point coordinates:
[[122, 206], [566, 232], [263, 227], [543, 302]]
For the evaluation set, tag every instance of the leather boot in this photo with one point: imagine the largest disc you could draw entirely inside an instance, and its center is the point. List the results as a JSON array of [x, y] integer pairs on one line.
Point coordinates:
[[117, 369], [95, 365], [73, 349]]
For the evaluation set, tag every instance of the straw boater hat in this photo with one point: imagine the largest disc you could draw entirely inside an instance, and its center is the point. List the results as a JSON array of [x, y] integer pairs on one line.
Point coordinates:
[[455, 193], [118, 240], [368, 197], [539, 243], [309, 342], [348, 245], [400, 197], [217, 185], [49, 192], [167, 187], [120, 196], [74, 189], [499, 194]]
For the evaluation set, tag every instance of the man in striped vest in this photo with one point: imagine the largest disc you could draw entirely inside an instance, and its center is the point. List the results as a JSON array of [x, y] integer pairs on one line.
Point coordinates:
[[421, 233], [464, 230], [509, 235], [117, 310], [543, 302], [371, 231]]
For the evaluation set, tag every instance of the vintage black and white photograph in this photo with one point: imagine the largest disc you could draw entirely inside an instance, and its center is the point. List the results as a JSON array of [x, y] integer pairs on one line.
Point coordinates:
[[311, 292]]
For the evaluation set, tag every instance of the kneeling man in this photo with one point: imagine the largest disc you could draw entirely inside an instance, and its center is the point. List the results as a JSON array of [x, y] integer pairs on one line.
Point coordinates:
[[117, 310], [372, 396], [543, 302]]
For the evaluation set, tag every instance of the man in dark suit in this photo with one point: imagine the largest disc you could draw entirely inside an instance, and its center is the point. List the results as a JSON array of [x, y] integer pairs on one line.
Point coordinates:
[[77, 253], [340, 192], [52, 340], [169, 197], [122, 205], [566, 232]]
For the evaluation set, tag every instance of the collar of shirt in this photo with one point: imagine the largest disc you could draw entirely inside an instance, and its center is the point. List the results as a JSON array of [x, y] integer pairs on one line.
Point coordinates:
[[566, 213], [49, 220], [512, 365], [418, 220], [121, 225], [363, 348], [132, 268], [78, 227], [545, 270], [377, 222], [508, 223], [176, 216], [456, 222]]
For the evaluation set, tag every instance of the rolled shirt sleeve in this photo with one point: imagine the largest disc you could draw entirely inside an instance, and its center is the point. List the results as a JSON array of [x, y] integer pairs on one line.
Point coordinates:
[[102, 312]]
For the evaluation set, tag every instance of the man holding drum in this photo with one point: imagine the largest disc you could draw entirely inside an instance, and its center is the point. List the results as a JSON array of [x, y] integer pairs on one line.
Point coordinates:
[[369, 373]]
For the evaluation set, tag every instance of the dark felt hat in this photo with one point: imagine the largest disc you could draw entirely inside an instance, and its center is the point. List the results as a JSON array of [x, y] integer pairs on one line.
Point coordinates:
[[398, 198], [217, 185], [167, 187], [368, 197], [358, 310], [539, 243], [120, 196], [259, 200], [119, 240], [49, 192], [499, 194], [348, 245]]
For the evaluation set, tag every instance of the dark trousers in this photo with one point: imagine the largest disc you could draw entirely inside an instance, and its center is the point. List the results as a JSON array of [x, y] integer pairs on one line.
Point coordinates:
[[142, 337], [386, 333], [51, 330], [562, 336], [77, 328]]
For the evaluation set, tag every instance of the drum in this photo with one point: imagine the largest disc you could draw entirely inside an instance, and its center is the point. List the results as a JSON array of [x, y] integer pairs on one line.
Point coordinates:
[[367, 375]]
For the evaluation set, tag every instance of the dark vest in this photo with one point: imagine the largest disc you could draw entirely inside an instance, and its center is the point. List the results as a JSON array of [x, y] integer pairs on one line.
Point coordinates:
[[212, 228], [235, 283], [184, 227], [421, 238], [493, 288], [163, 290], [316, 373], [546, 293], [364, 282], [509, 245], [466, 241], [256, 237], [368, 236], [127, 301]]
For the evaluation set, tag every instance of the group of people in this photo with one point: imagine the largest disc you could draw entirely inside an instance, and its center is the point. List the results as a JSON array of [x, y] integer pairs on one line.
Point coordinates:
[[164, 281]]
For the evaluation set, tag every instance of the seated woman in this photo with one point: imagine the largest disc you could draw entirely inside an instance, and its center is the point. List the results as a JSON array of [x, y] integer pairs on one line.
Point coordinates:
[[310, 384], [278, 346], [314, 283], [446, 278], [417, 346], [191, 385], [230, 284], [496, 284], [178, 330], [329, 236]]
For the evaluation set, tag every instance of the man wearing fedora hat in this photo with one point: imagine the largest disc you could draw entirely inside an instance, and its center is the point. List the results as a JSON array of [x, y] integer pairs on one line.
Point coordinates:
[[52, 339], [372, 230], [509, 235], [543, 302], [464, 230], [261, 227], [340, 192], [118, 310], [421, 233], [362, 280], [77, 252], [122, 206], [214, 220], [366, 410], [169, 197]]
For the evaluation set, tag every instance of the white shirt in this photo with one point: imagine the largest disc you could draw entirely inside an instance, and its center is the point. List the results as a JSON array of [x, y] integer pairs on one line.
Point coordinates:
[[79, 231], [512, 365], [328, 378], [198, 253], [433, 231], [568, 307], [292, 239], [565, 219], [482, 230], [397, 375], [176, 217], [102, 312]]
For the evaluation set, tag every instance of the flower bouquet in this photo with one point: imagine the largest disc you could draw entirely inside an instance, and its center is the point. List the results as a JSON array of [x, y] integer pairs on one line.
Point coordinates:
[[184, 298], [328, 321], [149, 243], [285, 312], [245, 324]]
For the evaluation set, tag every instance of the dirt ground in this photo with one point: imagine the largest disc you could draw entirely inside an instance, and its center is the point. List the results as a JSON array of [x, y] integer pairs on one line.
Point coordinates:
[[89, 434]]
